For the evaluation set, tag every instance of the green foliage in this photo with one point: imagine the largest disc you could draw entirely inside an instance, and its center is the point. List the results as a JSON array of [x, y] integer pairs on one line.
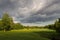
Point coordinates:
[[57, 28], [57, 25], [51, 26], [17, 26], [1, 27], [7, 21]]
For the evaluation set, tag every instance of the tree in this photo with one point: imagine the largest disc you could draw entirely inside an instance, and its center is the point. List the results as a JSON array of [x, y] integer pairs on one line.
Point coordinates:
[[57, 28], [57, 25], [59, 20], [17, 26], [1, 28], [7, 22]]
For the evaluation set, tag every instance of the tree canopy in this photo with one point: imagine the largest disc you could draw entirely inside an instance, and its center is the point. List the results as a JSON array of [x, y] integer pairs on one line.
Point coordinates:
[[6, 23]]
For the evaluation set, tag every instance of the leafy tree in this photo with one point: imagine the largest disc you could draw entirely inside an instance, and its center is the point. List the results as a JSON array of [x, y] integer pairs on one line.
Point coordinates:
[[7, 22], [17, 26], [57, 25]]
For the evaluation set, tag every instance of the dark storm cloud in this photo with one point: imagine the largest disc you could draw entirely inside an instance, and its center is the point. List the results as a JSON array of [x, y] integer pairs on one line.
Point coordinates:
[[31, 11], [51, 12]]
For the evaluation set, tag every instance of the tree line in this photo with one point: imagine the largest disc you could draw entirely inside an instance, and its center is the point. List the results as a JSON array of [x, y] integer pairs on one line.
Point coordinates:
[[6, 23]]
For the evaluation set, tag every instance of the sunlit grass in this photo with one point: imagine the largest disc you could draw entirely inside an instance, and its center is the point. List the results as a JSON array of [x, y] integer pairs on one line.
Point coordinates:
[[32, 30], [26, 34]]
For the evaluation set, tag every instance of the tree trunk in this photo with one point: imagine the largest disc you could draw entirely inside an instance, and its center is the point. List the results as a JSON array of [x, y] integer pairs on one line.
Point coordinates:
[[4, 30]]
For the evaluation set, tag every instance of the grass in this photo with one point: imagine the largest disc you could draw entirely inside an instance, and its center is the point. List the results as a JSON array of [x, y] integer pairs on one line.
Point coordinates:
[[27, 34]]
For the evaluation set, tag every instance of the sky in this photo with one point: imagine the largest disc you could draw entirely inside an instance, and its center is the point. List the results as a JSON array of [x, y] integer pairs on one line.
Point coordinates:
[[31, 12]]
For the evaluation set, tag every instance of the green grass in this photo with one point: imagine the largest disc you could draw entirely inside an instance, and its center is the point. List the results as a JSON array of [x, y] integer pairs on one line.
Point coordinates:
[[27, 34]]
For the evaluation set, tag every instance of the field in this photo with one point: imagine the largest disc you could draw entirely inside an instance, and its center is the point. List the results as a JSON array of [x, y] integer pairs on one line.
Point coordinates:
[[27, 34]]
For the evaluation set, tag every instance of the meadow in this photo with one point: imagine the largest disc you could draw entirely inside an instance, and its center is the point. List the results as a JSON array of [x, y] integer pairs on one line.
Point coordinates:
[[27, 34]]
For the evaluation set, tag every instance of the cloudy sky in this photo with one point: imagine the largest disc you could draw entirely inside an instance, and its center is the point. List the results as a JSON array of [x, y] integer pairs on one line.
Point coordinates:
[[31, 12]]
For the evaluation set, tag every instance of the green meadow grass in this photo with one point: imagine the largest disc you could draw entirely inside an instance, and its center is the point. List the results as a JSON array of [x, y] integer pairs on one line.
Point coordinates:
[[27, 34]]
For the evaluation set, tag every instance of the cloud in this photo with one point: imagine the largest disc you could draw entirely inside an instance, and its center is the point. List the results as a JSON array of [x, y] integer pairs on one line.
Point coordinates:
[[31, 11]]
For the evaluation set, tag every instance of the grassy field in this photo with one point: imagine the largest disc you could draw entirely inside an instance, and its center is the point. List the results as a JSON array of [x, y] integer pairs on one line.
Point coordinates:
[[27, 34]]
